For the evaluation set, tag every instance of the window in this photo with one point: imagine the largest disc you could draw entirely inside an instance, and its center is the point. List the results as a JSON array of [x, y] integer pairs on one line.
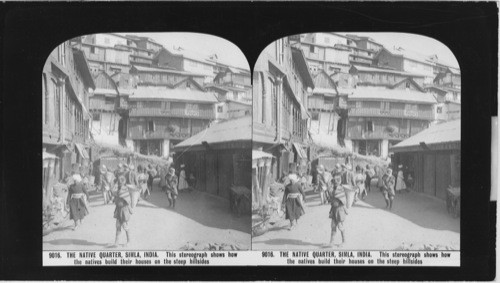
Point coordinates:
[[407, 85], [315, 117], [311, 48], [369, 126], [93, 50], [280, 51], [61, 54], [96, 116], [439, 109], [151, 126], [109, 100], [188, 84], [219, 109], [385, 106]]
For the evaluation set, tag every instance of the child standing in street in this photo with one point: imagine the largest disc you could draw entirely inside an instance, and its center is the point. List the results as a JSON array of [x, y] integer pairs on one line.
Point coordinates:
[[122, 213]]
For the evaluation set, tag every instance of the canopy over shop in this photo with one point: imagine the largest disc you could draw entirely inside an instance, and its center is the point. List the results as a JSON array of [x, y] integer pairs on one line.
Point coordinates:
[[432, 158], [261, 177], [219, 157]]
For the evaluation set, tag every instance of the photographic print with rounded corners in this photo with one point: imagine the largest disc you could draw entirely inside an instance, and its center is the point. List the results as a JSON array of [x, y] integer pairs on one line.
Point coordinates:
[[356, 145], [146, 144]]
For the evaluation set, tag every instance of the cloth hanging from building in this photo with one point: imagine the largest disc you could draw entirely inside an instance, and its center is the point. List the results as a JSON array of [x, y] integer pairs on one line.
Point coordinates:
[[83, 152], [300, 151]]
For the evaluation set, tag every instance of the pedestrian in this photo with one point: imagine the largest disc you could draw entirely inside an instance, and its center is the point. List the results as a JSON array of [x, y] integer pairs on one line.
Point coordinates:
[[388, 181], [400, 182], [337, 214], [122, 214], [132, 185], [78, 207], [183, 182], [106, 183], [163, 173], [142, 179], [314, 174], [151, 176], [359, 180], [171, 187], [348, 184], [323, 179], [369, 173], [292, 202]]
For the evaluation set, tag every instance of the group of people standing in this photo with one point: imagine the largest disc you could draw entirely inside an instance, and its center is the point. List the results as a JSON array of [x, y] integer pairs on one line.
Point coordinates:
[[340, 188]]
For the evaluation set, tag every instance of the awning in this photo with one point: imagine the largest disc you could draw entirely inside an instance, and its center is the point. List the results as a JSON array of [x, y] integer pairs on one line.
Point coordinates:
[[300, 151], [258, 154], [46, 155], [81, 149]]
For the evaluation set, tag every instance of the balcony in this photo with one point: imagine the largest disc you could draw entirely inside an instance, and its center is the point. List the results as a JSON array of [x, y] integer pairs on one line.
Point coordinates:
[[399, 113], [184, 113]]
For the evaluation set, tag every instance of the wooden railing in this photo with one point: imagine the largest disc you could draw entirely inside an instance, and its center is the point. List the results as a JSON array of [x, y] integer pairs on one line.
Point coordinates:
[[376, 112], [200, 114]]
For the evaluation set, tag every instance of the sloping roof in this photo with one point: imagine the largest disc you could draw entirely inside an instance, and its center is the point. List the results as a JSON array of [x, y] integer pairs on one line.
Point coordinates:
[[163, 93], [323, 83], [382, 93], [408, 54], [83, 65], [301, 63], [385, 71], [189, 54], [229, 131], [440, 133], [160, 70], [410, 80], [105, 91]]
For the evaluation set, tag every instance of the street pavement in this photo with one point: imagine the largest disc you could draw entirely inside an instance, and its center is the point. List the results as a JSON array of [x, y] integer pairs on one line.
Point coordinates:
[[198, 218], [415, 219]]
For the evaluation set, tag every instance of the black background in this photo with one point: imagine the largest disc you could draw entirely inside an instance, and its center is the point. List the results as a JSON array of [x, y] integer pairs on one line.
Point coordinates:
[[32, 30]]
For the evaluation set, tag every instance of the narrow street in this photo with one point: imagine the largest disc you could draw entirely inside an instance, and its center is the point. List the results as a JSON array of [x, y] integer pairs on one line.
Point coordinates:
[[415, 219], [198, 217]]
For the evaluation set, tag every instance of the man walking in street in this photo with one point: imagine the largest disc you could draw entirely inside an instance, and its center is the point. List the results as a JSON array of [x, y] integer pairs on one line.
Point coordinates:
[[388, 182], [171, 182]]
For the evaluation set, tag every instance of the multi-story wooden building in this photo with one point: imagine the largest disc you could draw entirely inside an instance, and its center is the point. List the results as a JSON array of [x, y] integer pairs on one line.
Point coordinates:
[[184, 60], [281, 84], [325, 106], [328, 52], [143, 43], [66, 85], [151, 76], [365, 43], [406, 61], [161, 117], [104, 58], [385, 108]]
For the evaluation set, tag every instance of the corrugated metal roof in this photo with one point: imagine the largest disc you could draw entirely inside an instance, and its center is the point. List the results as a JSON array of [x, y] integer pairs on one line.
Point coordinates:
[[162, 93], [229, 131], [385, 71], [381, 93], [171, 71], [105, 91], [441, 133]]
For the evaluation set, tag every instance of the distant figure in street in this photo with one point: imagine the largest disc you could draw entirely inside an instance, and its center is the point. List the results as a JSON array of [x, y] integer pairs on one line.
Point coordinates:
[[163, 174], [314, 173], [122, 213], [293, 200], [400, 182], [171, 187], [323, 179], [151, 175], [410, 181], [338, 214], [77, 201], [142, 179], [183, 182], [369, 173], [107, 182], [388, 181], [359, 180]]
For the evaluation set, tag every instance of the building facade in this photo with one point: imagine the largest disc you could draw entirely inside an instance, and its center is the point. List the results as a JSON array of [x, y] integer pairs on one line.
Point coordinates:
[[383, 113], [66, 86], [281, 84]]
